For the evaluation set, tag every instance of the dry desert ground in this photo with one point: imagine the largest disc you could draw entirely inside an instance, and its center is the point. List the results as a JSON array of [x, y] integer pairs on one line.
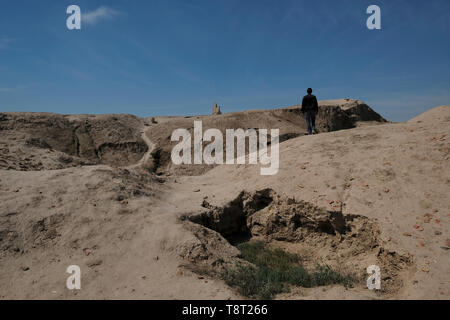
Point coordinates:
[[100, 192]]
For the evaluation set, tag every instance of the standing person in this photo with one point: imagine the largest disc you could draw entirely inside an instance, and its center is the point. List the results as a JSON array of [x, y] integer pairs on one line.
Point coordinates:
[[310, 108]]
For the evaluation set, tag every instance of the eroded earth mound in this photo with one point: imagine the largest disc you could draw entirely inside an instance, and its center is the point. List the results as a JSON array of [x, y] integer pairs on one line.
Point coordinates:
[[100, 192], [40, 141], [347, 242]]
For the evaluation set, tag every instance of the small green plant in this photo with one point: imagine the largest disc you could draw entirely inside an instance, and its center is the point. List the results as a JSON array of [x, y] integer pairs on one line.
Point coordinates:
[[255, 282], [324, 275], [273, 269]]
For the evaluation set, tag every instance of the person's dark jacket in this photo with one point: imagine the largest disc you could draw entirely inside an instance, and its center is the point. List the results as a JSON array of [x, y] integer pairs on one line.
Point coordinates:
[[309, 103]]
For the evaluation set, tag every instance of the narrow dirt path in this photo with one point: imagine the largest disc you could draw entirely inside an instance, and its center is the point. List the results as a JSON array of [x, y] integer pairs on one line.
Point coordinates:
[[147, 155]]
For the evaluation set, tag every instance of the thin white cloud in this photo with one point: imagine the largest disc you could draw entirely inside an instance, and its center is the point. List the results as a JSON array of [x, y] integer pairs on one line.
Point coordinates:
[[102, 13]]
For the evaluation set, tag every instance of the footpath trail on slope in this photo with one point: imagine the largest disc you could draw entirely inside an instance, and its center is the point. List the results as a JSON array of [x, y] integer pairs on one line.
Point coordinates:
[[147, 155]]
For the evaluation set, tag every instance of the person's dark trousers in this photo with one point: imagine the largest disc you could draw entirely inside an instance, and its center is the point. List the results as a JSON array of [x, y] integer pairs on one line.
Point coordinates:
[[310, 117]]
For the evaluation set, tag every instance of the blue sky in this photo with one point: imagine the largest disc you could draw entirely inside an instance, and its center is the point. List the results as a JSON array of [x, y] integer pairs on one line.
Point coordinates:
[[177, 57]]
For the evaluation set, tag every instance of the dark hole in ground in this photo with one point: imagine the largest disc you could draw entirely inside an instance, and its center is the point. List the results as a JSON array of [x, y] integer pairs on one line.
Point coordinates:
[[320, 235], [231, 220]]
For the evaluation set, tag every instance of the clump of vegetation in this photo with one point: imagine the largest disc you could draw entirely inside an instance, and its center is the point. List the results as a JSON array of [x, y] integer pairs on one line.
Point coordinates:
[[274, 269]]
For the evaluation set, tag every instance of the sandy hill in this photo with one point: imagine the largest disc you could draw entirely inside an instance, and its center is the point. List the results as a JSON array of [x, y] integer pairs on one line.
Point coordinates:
[[371, 194], [333, 115], [38, 141]]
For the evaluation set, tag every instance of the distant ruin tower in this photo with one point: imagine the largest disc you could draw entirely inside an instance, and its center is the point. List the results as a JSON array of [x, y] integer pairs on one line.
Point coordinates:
[[216, 109]]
